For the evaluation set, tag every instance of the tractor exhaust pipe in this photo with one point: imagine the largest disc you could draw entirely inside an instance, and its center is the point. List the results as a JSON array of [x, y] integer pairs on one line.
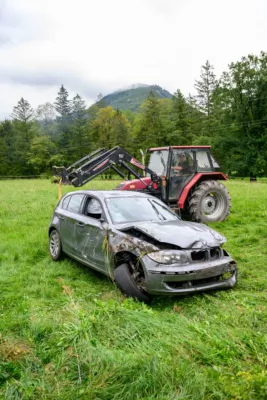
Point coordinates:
[[143, 160]]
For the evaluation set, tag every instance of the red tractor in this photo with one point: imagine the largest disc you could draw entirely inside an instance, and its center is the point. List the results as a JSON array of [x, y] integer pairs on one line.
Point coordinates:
[[186, 178]]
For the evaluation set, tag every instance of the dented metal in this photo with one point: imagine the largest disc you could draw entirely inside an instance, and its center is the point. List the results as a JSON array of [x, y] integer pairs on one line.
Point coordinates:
[[103, 245]]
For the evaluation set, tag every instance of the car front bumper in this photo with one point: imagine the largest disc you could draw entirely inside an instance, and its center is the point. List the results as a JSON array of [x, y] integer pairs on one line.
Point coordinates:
[[177, 279]]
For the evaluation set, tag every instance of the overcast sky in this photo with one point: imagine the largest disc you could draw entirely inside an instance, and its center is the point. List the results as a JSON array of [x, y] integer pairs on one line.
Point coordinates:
[[94, 46]]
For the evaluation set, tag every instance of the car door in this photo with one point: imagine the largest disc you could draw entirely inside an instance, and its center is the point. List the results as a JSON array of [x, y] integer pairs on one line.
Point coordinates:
[[69, 218], [91, 236]]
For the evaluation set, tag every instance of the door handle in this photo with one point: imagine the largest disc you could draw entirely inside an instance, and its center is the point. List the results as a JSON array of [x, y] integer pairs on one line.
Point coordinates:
[[80, 224]]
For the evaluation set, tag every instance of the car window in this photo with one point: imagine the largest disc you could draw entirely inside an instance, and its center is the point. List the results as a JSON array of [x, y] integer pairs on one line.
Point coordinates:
[[65, 202], [133, 209], [93, 208], [75, 203]]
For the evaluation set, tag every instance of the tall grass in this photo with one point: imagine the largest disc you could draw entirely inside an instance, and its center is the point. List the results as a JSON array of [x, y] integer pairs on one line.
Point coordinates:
[[68, 333]]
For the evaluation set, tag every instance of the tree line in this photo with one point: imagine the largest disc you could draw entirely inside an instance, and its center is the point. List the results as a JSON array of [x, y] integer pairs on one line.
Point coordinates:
[[229, 113]]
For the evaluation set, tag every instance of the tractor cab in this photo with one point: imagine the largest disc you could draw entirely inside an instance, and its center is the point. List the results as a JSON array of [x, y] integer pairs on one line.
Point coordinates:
[[179, 164], [194, 158]]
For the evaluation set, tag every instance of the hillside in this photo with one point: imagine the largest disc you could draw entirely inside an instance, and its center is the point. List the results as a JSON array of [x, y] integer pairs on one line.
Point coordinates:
[[131, 99]]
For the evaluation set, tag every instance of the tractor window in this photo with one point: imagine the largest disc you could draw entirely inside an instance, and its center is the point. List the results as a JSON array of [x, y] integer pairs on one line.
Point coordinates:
[[214, 162], [158, 162], [203, 162], [182, 161]]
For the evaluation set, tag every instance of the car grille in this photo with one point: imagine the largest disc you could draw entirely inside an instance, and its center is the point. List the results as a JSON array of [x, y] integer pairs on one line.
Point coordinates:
[[215, 253], [200, 282]]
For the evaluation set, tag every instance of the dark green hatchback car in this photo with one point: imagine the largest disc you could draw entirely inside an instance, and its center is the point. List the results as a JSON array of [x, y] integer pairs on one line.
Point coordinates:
[[139, 242]]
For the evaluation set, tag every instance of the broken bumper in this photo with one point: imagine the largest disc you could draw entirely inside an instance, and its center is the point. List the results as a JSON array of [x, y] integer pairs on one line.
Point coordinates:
[[177, 279]]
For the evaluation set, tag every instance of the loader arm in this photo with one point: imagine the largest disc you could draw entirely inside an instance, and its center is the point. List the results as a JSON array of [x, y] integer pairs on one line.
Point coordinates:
[[92, 165]]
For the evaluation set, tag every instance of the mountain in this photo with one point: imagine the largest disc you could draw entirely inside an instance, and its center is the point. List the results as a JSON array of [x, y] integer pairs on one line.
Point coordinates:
[[132, 97]]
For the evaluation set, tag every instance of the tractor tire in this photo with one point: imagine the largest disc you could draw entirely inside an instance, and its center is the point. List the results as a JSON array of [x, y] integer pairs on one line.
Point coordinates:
[[127, 284], [209, 202]]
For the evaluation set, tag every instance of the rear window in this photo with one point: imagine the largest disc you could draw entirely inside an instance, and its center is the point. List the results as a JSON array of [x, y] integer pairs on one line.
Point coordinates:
[[203, 162], [75, 203]]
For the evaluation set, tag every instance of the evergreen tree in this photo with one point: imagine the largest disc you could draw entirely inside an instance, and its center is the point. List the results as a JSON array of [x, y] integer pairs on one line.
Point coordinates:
[[205, 88], [23, 112], [205, 97], [180, 133], [81, 140], [62, 103], [7, 149], [122, 130], [148, 127], [24, 131], [63, 125]]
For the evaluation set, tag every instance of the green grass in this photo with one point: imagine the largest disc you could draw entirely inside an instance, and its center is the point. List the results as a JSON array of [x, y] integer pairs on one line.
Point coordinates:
[[68, 333]]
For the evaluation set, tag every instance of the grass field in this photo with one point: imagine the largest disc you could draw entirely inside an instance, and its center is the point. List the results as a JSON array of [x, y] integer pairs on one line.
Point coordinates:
[[67, 332]]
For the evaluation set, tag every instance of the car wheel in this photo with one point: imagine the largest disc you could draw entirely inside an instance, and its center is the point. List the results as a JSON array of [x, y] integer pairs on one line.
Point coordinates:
[[210, 201], [55, 245], [129, 283]]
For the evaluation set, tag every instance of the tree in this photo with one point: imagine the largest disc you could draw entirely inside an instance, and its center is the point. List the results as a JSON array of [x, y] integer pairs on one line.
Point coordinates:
[[111, 128], [205, 88], [243, 101], [149, 128], [122, 130], [7, 149], [63, 124], [46, 115], [180, 133], [81, 140], [103, 127], [62, 103], [23, 112], [24, 131], [40, 155]]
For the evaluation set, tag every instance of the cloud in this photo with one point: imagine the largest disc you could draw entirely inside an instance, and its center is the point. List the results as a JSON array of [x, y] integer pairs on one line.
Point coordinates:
[[100, 46]]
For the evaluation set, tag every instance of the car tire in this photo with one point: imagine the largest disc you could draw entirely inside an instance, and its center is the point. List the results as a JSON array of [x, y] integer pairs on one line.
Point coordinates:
[[209, 202], [55, 247], [127, 285]]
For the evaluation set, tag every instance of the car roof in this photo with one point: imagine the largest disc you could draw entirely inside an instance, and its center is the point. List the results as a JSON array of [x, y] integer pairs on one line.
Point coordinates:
[[105, 194]]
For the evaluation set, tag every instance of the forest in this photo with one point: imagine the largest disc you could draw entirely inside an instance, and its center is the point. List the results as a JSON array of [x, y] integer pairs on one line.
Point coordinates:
[[227, 112]]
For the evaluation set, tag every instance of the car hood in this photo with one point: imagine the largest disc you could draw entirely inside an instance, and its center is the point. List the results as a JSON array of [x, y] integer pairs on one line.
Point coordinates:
[[180, 233]]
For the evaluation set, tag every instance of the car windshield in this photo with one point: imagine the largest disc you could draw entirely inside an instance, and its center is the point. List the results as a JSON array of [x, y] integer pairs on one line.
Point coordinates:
[[132, 209]]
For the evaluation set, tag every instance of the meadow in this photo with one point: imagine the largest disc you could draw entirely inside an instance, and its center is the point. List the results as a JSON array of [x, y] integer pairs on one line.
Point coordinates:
[[66, 332]]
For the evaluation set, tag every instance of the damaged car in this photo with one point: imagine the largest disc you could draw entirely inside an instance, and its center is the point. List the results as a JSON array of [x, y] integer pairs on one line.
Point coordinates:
[[140, 243]]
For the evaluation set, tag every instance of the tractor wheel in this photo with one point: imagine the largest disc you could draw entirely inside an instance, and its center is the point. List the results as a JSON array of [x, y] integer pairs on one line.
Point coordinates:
[[209, 201]]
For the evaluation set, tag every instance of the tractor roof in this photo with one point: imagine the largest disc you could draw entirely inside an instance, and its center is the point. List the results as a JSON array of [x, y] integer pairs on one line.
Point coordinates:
[[178, 147]]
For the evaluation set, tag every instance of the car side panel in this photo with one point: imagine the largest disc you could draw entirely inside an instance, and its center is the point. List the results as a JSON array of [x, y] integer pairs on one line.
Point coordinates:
[[67, 230], [90, 240]]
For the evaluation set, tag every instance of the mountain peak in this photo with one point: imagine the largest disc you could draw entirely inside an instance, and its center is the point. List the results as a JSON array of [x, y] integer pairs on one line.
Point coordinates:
[[130, 87], [131, 97]]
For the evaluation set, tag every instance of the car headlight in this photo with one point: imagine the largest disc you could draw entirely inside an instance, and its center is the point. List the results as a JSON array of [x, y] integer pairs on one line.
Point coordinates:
[[169, 257]]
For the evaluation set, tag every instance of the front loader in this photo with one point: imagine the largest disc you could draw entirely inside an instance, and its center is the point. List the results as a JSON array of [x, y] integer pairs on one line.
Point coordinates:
[[186, 178]]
